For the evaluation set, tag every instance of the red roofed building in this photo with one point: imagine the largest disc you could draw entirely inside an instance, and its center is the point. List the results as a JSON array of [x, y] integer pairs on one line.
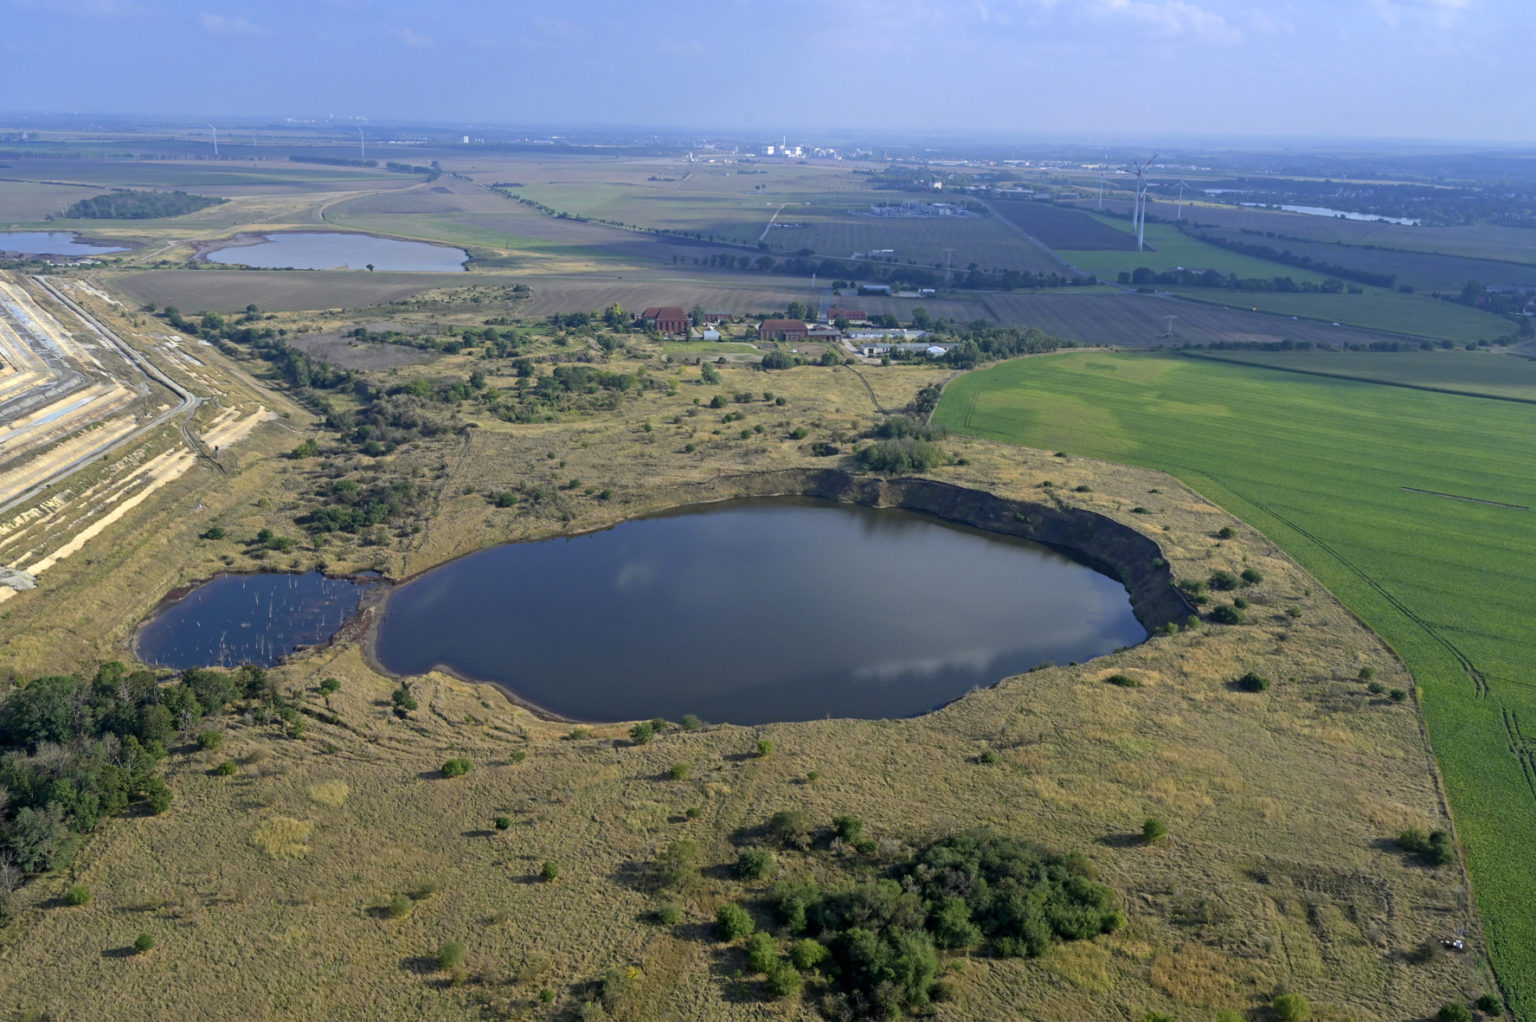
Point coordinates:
[[853, 315], [666, 319], [781, 330]]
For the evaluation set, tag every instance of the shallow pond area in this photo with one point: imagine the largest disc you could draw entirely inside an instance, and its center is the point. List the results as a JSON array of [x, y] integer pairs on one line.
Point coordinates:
[[332, 250], [248, 619], [66, 243]]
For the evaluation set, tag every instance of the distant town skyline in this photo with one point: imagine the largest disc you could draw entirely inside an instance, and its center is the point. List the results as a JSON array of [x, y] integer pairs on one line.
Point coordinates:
[[1403, 69]]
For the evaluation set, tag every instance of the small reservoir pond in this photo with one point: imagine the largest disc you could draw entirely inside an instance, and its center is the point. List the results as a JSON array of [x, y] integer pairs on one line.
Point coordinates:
[[330, 250], [755, 611], [66, 243], [248, 619]]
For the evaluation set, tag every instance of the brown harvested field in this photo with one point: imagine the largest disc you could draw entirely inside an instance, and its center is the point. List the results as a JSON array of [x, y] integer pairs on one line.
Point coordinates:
[[273, 290], [30, 201], [224, 178], [1135, 320], [1063, 227]]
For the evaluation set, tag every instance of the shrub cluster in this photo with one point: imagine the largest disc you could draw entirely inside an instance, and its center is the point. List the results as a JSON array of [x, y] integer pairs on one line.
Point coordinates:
[[1435, 846], [879, 940]]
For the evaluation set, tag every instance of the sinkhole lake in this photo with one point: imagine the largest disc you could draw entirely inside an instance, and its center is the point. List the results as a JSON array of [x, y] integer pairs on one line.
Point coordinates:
[[329, 250], [248, 619], [754, 611], [52, 243]]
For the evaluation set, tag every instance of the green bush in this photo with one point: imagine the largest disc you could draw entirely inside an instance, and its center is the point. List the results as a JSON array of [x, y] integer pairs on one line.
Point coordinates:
[[1227, 615], [214, 533], [1123, 680], [848, 828], [1291, 1008], [517, 755], [1223, 580], [1453, 1012], [762, 952], [1226, 532], [329, 686], [783, 980], [1435, 846], [756, 864], [1153, 830], [988, 757], [1489, 1004], [1367, 673], [79, 894], [210, 740], [450, 955], [1253, 682], [402, 698], [642, 732], [680, 771], [764, 748], [1251, 577], [457, 767], [791, 828], [733, 922], [669, 913], [806, 954], [1397, 695], [144, 942], [228, 768], [503, 822], [899, 457], [691, 722], [549, 871]]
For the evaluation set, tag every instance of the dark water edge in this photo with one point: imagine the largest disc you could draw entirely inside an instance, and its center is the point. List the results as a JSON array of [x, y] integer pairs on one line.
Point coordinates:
[[257, 618], [748, 612]]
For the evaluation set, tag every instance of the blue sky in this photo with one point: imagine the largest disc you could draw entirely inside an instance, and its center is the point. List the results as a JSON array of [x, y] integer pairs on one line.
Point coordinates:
[[1453, 69]]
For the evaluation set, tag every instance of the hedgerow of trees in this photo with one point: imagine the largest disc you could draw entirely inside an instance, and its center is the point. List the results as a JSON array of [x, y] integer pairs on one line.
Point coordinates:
[[128, 205]]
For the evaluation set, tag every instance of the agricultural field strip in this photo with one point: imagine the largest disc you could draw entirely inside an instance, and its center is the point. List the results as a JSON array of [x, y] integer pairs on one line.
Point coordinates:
[[1457, 619]]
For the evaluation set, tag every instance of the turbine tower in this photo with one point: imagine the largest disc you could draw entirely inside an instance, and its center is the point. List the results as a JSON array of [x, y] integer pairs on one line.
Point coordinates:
[[1182, 185], [215, 141], [362, 150], [1139, 210]]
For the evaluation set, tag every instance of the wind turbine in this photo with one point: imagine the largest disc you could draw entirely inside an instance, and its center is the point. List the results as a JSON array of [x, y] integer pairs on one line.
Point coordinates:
[[1139, 210], [1182, 185], [362, 150], [215, 141]]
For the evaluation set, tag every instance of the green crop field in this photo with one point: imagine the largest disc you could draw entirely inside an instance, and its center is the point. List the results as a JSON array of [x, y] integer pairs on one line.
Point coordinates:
[[988, 241], [1375, 309], [1486, 373], [1413, 507], [1425, 271], [1167, 249]]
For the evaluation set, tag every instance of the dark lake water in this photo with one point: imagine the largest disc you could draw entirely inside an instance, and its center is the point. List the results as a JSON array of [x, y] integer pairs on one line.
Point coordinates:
[[755, 611], [51, 243], [330, 250], [248, 619]]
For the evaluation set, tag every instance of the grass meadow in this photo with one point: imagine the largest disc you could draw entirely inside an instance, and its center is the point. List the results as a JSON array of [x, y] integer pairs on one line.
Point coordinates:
[[1167, 249], [1414, 507]]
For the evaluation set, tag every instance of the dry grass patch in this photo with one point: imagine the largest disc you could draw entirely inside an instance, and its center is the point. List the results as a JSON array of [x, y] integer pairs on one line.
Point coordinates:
[[329, 793], [283, 837]]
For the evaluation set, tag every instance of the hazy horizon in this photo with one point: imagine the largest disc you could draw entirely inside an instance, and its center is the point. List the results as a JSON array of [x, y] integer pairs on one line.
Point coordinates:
[[1393, 70]]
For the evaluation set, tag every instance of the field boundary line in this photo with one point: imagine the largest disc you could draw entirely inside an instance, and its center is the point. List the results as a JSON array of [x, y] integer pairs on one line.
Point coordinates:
[[1469, 500], [1360, 379]]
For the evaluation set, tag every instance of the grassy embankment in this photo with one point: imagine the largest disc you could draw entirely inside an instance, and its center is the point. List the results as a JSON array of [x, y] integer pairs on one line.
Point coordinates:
[[1414, 507]]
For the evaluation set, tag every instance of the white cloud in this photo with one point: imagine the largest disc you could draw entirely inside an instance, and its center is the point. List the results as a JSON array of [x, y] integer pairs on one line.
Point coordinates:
[[1169, 19], [412, 39], [223, 24], [1431, 13]]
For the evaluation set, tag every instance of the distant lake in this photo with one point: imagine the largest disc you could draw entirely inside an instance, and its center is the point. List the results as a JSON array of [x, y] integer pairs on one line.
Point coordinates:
[[248, 619], [755, 611], [52, 243], [1325, 211], [330, 250]]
